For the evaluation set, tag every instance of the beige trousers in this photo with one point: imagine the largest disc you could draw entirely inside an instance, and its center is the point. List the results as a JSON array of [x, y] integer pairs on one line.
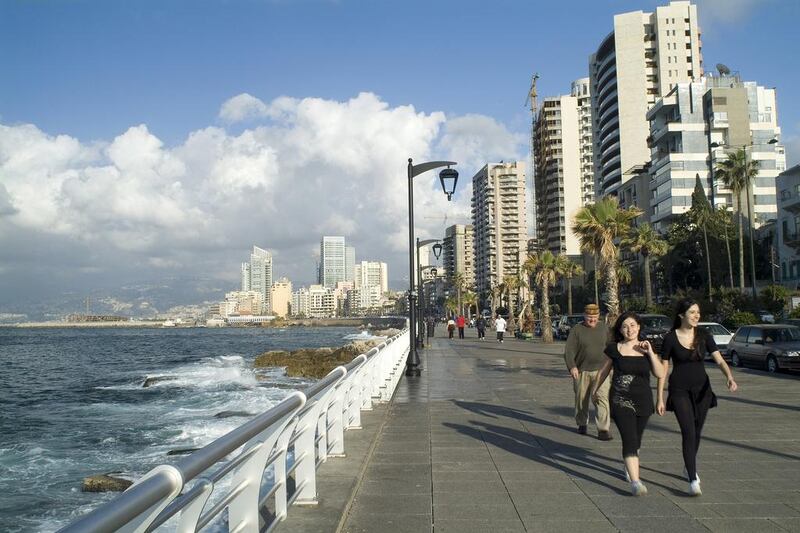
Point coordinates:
[[583, 392]]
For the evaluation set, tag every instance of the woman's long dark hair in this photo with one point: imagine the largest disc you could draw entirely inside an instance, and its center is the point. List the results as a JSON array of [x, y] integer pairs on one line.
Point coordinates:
[[617, 330], [699, 333]]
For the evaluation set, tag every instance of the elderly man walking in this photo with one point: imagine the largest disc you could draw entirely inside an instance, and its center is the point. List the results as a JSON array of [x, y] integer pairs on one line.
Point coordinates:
[[584, 357]]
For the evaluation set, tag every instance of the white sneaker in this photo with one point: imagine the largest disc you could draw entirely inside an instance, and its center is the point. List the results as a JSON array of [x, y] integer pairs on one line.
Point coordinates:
[[694, 488], [638, 488], [686, 475]]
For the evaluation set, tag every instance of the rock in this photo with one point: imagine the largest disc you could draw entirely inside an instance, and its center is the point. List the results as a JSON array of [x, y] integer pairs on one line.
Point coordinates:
[[105, 483], [182, 451], [152, 380], [388, 332], [229, 414], [313, 362]]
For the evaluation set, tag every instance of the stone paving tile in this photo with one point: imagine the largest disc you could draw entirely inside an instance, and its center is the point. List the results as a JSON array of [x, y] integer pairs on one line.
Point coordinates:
[[741, 525], [478, 526], [387, 523], [756, 510], [789, 524], [494, 511], [672, 525], [539, 524]]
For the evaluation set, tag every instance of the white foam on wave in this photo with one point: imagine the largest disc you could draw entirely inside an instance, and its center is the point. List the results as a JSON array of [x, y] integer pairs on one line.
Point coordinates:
[[363, 336]]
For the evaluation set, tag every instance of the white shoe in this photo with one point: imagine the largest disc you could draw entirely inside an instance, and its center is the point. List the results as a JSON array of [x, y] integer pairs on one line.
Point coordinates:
[[694, 488], [638, 488], [686, 475]]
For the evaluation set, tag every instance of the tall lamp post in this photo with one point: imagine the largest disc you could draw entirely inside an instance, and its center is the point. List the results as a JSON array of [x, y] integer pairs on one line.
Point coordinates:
[[420, 315], [423, 304], [448, 178], [744, 148]]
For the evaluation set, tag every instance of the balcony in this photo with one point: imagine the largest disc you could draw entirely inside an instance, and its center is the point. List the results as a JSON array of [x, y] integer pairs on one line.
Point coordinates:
[[789, 201], [792, 239]]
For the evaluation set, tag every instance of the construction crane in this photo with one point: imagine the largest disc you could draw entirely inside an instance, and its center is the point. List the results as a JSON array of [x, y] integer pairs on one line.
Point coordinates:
[[531, 99]]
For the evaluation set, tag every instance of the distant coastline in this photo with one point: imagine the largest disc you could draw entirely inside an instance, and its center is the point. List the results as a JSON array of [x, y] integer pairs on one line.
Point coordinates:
[[362, 322]]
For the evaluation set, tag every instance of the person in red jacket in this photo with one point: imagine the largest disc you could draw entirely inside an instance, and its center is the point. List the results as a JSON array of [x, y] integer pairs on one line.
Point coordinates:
[[460, 323]]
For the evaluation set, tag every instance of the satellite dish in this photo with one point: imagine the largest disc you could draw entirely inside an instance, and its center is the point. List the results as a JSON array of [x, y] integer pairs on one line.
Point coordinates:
[[723, 70]]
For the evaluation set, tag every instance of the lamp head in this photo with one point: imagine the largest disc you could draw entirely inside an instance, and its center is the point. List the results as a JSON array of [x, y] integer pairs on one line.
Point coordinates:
[[434, 272], [437, 249], [448, 177]]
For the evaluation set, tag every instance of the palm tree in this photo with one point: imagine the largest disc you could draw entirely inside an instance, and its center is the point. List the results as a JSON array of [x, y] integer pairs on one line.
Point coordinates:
[[736, 173], [512, 285], [701, 215], [598, 226], [458, 281], [546, 275], [451, 304], [469, 298], [646, 241], [570, 270], [528, 273]]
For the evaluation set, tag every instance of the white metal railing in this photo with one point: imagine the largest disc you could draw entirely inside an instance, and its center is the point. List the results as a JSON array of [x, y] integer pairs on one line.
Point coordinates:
[[307, 426]]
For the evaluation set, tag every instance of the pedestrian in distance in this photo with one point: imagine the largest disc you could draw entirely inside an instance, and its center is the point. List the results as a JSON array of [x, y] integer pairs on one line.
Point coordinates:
[[690, 395], [632, 362], [460, 323], [584, 357], [480, 325], [451, 327], [500, 327]]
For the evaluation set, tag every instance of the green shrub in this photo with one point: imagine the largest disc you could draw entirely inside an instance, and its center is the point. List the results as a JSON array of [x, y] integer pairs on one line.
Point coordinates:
[[741, 318], [634, 304]]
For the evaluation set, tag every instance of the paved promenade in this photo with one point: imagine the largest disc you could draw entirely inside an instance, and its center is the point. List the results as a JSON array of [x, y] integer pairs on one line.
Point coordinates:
[[485, 440]]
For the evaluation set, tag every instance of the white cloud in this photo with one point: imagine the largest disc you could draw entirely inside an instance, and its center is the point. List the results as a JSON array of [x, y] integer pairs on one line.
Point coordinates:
[[303, 168]]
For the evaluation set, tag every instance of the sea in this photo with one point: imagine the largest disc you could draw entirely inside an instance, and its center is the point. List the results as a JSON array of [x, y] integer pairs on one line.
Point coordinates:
[[73, 404]]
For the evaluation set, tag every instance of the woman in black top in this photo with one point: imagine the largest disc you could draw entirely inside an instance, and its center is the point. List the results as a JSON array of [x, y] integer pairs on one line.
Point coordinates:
[[631, 398], [690, 394]]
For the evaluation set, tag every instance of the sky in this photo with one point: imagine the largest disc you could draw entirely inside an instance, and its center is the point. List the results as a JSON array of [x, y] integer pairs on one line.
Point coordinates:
[[147, 140]]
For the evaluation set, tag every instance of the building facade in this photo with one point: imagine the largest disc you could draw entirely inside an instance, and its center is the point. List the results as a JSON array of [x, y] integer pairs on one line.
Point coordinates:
[[349, 263], [564, 173], [281, 297], [642, 59], [331, 261], [694, 127], [372, 282], [300, 303], [321, 302], [458, 252], [257, 276], [788, 227], [499, 221]]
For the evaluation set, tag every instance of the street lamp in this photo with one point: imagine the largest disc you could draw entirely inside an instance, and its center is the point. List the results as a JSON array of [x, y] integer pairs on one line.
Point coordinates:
[[448, 178], [744, 148], [423, 304]]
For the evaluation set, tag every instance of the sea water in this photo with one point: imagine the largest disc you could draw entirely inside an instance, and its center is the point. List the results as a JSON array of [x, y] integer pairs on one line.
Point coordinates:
[[72, 404]]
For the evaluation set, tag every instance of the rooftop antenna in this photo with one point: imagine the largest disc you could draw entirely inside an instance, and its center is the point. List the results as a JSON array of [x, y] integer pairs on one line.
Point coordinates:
[[723, 69]]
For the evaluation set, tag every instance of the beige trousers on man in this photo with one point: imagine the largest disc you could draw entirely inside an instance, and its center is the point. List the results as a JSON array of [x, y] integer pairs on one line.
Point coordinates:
[[583, 393]]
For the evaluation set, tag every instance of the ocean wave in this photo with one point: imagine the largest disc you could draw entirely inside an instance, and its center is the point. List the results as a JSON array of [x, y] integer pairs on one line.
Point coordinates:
[[363, 336]]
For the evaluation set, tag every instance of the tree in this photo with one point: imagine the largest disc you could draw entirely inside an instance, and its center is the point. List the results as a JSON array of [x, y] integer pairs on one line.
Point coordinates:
[[570, 270], [546, 275], [451, 304], [701, 215], [458, 281], [512, 285], [598, 227], [469, 299], [736, 172], [646, 241]]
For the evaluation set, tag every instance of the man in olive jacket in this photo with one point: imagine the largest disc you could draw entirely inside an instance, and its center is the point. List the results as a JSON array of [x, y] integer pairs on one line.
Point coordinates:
[[584, 357]]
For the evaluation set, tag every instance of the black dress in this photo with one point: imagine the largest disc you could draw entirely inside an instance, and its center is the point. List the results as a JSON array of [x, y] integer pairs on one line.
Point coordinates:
[[630, 385], [689, 375]]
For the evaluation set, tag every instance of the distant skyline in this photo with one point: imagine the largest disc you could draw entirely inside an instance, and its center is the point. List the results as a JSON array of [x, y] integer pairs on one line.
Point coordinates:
[[158, 139]]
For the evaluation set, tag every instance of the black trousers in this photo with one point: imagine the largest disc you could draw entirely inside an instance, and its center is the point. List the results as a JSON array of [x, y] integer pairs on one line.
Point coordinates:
[[631, 427], [691, 416], [460, 333], [481, 333]]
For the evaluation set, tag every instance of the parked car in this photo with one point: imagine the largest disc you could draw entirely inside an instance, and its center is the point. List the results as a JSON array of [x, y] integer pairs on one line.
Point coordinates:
[[791, 321], [766, 317], [722, 337], [654, 327], [771, 346], [566, 323], [538, 328]]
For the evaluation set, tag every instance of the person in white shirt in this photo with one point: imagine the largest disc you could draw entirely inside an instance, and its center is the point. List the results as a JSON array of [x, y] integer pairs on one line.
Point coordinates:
[[500, 327]]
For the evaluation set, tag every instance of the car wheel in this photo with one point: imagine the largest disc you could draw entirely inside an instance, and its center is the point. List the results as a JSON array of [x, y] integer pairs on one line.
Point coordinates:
[[772, 364], [735, 361]]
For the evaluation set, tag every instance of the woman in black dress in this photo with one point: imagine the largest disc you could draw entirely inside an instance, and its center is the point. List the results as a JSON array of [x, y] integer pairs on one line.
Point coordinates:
[[631, 398], [690, 394]]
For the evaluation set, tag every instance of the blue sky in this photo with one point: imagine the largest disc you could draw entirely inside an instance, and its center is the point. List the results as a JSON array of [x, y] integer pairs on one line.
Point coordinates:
[[141, 140]]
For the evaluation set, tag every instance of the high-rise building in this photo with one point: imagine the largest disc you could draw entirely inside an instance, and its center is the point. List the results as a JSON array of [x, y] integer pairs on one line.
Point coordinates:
[[300, 302], [349, 263], [645, 56], [321, 302], [788, 227], [694, 127], [498, 218], [564, 174], [458, 252], [281, 297], [331, 261], [257, 276], [372, 282]]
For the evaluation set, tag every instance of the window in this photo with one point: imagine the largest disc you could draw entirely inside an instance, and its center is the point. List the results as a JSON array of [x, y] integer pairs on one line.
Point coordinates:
[[741, 334], [754, 335]]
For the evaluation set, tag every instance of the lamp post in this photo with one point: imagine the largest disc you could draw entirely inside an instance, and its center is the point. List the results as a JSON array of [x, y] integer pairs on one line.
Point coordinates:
[[423, 304], [421, 316], [744, 148], [448, 178]]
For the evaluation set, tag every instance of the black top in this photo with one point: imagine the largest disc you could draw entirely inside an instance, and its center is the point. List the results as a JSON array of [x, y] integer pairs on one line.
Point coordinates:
[[630, 385], [689, 370]]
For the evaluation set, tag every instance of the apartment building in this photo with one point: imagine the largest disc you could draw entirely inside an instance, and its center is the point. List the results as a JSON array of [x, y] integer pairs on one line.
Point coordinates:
[[564, 173], [788, 226], [332, 261], [257, 276], [281, 297], [694, 127], [499, 222], [640, 61], [458, 252]]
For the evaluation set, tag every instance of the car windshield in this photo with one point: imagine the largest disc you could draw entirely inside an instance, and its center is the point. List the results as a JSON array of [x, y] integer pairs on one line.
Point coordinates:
[[656, 322], [716, 329], [782, 335]]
